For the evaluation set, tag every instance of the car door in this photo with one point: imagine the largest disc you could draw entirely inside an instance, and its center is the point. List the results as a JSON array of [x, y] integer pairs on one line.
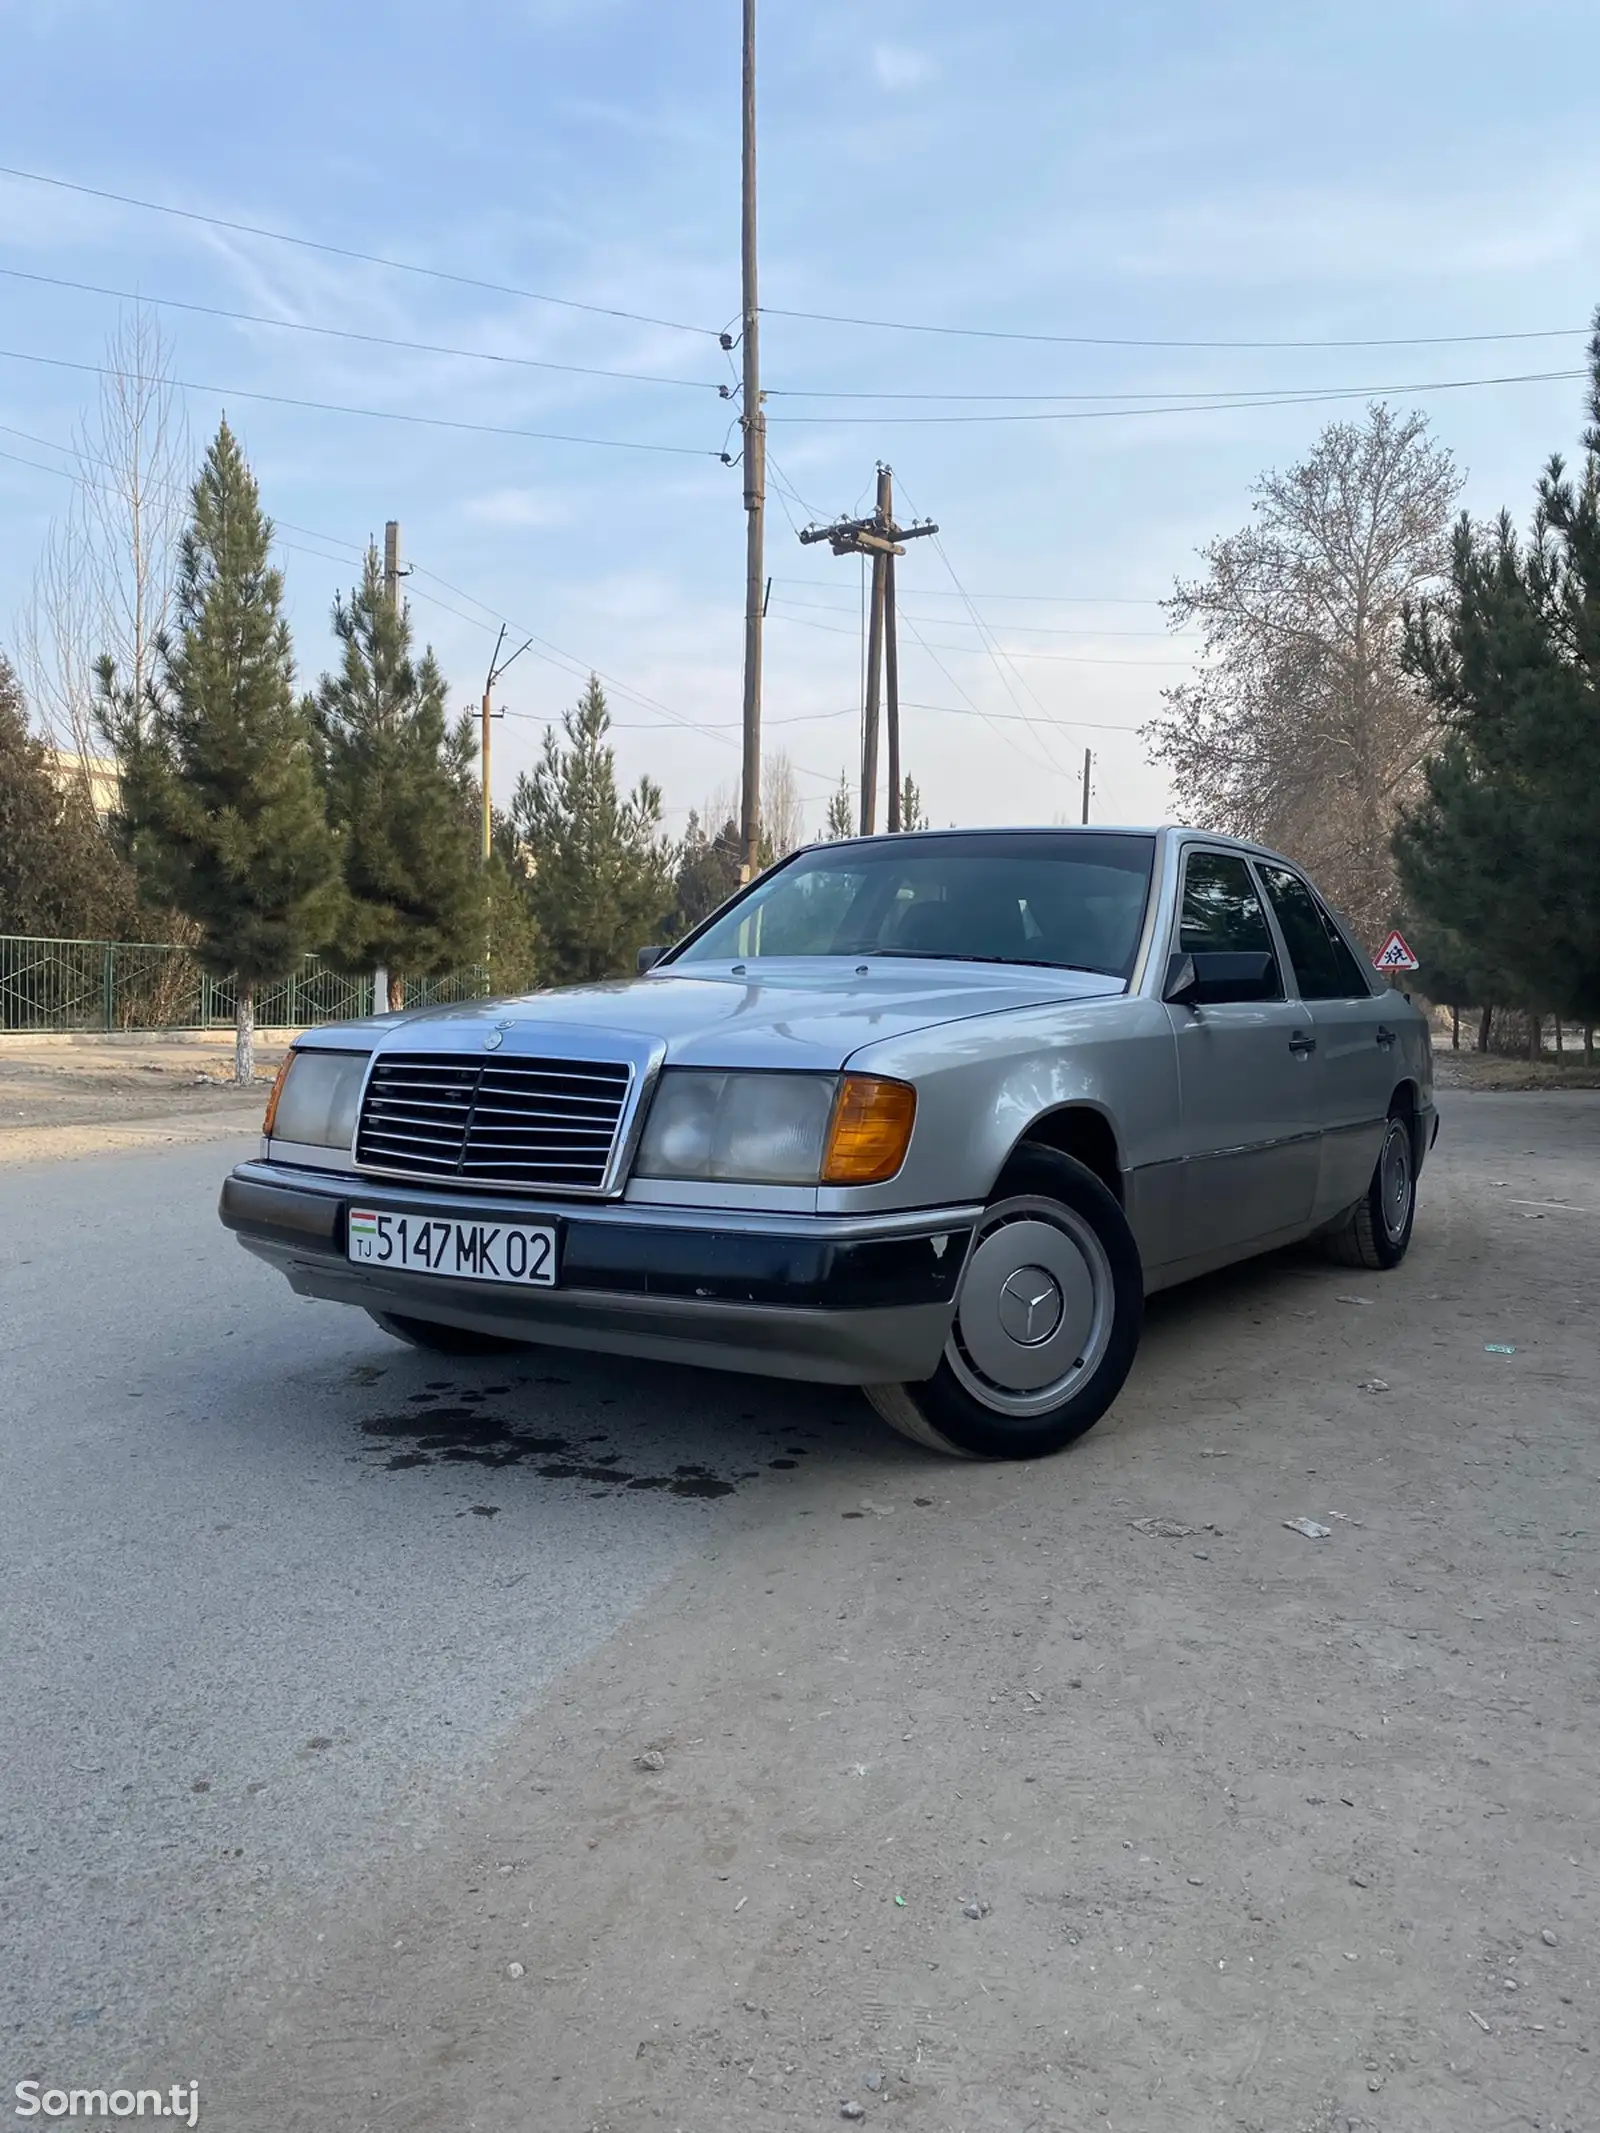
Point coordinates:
[[1357, 1053], [1246, 1076]]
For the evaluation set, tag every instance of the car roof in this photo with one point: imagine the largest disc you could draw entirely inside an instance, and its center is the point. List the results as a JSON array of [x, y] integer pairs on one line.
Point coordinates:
[[1168, 832]]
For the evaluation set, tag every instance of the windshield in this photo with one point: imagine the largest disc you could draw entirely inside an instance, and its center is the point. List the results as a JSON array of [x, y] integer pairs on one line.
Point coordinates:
[[1064, 899]]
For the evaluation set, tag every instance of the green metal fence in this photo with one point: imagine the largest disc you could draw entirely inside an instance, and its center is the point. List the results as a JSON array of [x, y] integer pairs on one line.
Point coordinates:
[[132, 985]]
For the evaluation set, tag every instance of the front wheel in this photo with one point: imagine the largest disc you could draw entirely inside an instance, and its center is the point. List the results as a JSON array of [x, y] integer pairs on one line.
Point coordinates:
[[1047, 1320]]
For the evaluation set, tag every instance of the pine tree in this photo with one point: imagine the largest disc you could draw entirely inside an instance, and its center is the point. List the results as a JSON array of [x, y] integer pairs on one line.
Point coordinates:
[[1498, 857], [59, 876], [708, 873], [841, 811], [601, 875], [507, 942], [221, 807], [911, 814], [414, 894]]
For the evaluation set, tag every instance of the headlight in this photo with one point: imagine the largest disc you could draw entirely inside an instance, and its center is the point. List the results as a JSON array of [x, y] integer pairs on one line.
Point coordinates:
[[315, 1097], [777, 1129]]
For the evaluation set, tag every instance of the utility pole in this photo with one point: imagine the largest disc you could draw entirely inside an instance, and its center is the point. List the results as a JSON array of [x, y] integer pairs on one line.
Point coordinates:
[[753, 421], [381, 1001], [391, 562], [880, 538], [877, 614], [891, 687], [497, 667], [1088, 763]]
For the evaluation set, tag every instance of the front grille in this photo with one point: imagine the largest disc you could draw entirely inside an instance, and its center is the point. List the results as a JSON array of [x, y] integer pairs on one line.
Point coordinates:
[[549, 1122]]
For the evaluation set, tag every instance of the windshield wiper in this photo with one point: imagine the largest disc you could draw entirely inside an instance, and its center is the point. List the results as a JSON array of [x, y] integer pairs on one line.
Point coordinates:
[[1024, 962]]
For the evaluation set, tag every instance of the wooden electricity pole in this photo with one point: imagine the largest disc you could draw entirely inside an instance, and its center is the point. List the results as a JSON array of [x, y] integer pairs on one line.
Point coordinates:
[[753, 422], [382, 997], [497, 667], [881, 539], [891, 689], [1088, 764]]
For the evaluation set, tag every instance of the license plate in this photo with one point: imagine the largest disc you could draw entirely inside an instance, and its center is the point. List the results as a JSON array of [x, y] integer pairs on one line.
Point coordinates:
[[465, 1251]]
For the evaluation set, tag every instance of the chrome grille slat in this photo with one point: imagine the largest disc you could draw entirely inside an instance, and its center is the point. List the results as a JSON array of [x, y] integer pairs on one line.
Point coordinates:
[[507, 1121]]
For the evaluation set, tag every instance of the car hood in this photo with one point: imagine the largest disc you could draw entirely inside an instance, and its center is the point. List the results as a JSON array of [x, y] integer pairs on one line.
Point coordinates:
[[807, 1013]]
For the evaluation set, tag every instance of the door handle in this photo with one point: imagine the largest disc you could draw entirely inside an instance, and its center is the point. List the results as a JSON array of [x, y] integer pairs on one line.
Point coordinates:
[[1302, 1041], [1385, 1035]]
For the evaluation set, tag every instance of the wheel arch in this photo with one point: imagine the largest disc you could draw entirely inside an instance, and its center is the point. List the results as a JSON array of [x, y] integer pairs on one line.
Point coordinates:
[[1406, 1102], [1085, 1132]]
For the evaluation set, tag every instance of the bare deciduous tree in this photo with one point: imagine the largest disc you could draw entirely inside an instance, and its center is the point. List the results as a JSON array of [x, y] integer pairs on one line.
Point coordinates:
[[103, 588], [783, 819], [1302, 729]]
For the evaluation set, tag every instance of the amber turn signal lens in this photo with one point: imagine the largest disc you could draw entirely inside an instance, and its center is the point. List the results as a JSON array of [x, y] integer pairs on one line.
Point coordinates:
[[279, 1079], [869, 1131]]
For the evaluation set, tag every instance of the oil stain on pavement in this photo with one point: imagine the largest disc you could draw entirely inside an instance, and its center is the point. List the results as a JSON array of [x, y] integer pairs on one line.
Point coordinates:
[[469, 1431]]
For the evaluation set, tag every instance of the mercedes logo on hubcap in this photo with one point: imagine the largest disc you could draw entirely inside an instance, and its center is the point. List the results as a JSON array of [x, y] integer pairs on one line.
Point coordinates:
[[1030, 1305]]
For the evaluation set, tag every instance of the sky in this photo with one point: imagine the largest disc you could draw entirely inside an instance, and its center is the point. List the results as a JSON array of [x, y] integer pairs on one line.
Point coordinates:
[[1116, 176]]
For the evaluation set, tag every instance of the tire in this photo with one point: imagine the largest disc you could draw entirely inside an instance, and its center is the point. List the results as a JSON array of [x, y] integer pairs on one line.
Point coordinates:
[[1002, 1392], [1377, 1231], [440, 1339]]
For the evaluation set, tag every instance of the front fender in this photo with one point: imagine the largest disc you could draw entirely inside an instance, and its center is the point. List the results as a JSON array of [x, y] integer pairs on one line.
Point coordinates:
[[982, 1086]]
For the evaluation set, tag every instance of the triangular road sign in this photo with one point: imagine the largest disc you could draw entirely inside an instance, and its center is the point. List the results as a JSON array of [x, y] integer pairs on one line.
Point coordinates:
[[1395, 955]]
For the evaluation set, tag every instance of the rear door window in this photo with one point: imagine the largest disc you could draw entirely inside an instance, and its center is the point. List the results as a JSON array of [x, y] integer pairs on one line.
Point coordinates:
[[1323, 966]]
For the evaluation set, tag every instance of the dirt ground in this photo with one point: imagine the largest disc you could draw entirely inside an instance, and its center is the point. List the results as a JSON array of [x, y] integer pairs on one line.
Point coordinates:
[[64, 1099], [1492, 1070], [1005, 1799]]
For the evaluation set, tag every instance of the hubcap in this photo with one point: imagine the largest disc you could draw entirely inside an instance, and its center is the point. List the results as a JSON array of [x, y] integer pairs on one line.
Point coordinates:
[[1034, 1313], [1394, 1179]]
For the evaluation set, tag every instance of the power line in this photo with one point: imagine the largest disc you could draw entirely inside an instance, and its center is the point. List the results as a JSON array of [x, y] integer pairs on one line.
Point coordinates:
[[1202, 394], [168, 488], [995, 650], [554, 655], [1089, 725], [1091, 340], [931, 592], [1193, 404], [1074, 659], [1029, 629], [377, 414], [993, 719], [371, 340], [809, 509], [340, 251]]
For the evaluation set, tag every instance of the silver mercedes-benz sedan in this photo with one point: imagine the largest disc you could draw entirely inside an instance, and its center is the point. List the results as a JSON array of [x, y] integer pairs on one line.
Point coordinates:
[[928, 1114]]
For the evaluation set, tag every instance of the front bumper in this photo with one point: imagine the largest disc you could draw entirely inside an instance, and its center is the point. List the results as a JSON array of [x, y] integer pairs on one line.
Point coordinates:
[[851, 1300]]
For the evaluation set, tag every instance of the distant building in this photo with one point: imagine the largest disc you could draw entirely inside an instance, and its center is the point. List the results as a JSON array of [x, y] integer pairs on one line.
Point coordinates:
[[99, 772]]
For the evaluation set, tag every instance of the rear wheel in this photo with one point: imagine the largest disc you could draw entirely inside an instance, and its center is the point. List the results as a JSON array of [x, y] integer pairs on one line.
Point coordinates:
[[440, 1339], [1047, 1320], [1377, 1231]]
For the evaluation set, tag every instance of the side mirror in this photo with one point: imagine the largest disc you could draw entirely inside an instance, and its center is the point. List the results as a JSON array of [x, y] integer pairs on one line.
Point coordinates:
[[1214, 977], [648, 958]]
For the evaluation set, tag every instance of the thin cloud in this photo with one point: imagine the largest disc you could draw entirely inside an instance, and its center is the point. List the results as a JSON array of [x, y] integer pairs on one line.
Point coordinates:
[[519, 508], [898, 67]]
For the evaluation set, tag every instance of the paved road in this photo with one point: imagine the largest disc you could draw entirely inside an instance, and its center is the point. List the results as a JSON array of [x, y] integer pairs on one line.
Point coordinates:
[[275, 1591], [271, 1584]]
